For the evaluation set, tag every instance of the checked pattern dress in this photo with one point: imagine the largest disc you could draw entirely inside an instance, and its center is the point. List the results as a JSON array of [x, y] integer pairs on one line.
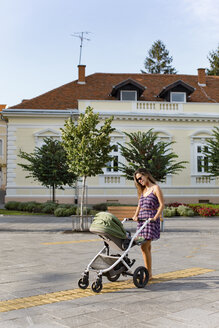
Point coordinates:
[[148, 209]]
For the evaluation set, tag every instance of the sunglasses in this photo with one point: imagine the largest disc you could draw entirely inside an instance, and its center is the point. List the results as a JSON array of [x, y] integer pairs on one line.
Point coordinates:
[[139, 179]]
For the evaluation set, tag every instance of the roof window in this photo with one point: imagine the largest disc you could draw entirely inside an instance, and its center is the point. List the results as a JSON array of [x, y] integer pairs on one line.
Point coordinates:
[[128, 95], [178, 97]]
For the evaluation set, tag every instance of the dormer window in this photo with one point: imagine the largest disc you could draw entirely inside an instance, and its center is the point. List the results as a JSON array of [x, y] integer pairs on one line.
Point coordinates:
[[178, 97], [128, 90], [177, 92], [128, 95]]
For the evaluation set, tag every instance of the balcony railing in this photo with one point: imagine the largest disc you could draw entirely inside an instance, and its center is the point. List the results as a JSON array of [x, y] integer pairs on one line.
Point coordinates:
[[158, 107]]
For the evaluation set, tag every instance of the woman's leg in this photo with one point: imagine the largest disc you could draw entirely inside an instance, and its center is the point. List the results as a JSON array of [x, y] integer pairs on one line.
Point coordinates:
[[146, 252]]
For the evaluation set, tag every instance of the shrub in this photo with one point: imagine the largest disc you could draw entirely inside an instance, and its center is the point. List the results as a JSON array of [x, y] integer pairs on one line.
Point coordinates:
[[49, 207], [185, 211], [100, 207], [207, 211], [30, 206], [12, 205], [169, 211], [64, 211], [22, 206]]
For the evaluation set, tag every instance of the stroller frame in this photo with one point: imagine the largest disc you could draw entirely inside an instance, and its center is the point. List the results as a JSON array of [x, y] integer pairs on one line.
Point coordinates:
[[121, 264]]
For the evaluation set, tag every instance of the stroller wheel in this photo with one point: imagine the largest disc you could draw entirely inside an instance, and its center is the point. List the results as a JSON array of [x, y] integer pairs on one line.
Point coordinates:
[[83, 283], [112, 278], [97, 286], [141, 277]]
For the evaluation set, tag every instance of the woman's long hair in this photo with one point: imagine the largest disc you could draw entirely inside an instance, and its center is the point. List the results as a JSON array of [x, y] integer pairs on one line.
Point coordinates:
[[146, 173]]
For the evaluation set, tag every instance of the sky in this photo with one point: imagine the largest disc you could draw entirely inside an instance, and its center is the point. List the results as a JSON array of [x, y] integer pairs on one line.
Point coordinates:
[[38, 52]]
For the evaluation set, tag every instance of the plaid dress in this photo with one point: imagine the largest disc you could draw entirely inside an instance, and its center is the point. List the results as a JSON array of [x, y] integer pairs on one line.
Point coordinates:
[[148, 209]]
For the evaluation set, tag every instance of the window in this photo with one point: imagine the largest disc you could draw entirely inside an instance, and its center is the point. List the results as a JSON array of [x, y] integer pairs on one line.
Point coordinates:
[[113, 165], [47, 133], [128, 95], [178, 97], [201, 160]]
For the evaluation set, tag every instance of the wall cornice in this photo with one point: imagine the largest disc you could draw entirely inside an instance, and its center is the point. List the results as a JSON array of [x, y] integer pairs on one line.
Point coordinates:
[[161, 117]]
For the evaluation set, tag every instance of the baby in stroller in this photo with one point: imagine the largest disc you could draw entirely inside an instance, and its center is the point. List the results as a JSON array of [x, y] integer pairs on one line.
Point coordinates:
[[111, 230]]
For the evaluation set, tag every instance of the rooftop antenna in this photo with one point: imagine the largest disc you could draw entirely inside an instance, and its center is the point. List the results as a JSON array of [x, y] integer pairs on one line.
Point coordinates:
[[80, 35]]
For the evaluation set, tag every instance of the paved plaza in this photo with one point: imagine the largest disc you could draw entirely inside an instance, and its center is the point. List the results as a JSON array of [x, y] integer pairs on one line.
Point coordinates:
[[41, 264]]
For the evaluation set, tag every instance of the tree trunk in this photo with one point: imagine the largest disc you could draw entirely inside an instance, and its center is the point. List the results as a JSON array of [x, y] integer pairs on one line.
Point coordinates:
[[82, 202], [53, 194]]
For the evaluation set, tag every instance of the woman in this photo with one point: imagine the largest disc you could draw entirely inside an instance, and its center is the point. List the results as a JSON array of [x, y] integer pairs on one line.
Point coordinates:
[[150, 206]]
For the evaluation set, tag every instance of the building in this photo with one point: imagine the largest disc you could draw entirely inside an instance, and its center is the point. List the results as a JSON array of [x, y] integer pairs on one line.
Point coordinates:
[[181, 108], [3, 160]]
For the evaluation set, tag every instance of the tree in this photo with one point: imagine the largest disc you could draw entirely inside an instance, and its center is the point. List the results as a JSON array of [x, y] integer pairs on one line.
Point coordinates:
[[87, 146], [158, 60], [48, 165], [214, 62], [145, 150], [211, 151]]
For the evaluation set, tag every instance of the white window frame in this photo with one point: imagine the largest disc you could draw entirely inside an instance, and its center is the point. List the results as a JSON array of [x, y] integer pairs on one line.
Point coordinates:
[[199, 178], [181, 93], [46, 133], [114, 178], [114, 153], [199, 154], [121, 92]]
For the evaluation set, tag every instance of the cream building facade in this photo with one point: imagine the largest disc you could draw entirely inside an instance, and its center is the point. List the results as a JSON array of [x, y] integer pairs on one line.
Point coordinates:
[[172, 114]]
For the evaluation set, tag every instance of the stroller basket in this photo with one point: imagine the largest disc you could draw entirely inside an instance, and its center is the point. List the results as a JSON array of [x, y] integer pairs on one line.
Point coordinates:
[[103, 261]]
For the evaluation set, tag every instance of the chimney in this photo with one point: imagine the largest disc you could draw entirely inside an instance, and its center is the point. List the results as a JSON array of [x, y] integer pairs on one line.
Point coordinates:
[[201, 77], [81, 74]]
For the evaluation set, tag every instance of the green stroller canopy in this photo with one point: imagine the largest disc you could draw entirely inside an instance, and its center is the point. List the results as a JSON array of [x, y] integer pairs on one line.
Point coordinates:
[[105, 222]]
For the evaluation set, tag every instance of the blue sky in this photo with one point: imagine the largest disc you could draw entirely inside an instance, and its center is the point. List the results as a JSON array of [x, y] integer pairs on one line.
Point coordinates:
[[38, 53]]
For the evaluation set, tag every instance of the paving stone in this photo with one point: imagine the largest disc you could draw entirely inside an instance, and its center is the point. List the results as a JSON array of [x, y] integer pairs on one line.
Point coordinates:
[[31, 267]]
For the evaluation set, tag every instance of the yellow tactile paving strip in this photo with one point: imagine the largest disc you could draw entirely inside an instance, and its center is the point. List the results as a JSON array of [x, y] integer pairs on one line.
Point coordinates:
[[66, 295]]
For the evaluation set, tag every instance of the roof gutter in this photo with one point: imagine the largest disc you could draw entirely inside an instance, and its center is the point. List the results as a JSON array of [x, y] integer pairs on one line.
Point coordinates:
[[40, 112]]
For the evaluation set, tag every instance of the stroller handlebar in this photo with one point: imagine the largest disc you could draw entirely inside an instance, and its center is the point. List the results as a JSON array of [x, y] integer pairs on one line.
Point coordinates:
[[127, 219]]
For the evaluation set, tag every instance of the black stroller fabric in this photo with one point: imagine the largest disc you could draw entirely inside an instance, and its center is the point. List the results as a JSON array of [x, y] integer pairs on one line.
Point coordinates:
[[105, 222]]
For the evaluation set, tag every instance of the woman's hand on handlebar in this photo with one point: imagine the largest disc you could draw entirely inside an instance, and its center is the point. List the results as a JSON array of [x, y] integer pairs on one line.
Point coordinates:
[[135, 218]]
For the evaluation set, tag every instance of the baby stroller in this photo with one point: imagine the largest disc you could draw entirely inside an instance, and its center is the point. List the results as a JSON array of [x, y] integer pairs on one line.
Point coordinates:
[[111, 230]]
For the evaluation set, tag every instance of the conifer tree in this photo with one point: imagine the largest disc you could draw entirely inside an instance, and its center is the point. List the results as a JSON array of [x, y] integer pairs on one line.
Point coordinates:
[[214, 62], [158, 60]]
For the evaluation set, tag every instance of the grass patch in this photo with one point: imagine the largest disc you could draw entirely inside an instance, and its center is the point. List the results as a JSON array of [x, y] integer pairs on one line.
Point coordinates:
[[7, 212]]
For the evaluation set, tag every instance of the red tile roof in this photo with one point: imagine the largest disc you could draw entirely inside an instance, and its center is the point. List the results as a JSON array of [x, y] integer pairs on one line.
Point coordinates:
[[99, 85]]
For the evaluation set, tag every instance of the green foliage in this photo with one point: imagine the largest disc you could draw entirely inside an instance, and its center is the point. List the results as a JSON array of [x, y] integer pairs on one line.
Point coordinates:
[[144, 150], [215, 206], [12, 205], [214, 62], [48, 165], [185, 211], [181, 210], [212, 153], [64, 211], [100, 207], [169, 211], [87, 145], [48, 208], [158, 60]]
